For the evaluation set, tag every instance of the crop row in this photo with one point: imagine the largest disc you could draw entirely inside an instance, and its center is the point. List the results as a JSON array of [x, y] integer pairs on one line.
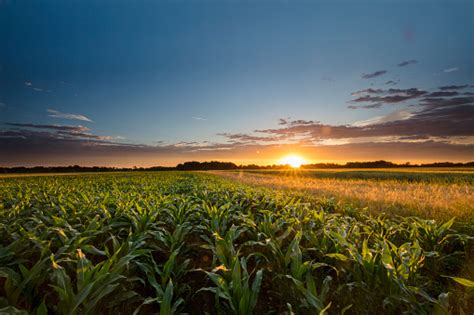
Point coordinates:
[[195, 243]]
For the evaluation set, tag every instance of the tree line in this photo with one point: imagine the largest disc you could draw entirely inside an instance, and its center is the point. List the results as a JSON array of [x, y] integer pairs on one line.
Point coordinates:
[[217, 165]]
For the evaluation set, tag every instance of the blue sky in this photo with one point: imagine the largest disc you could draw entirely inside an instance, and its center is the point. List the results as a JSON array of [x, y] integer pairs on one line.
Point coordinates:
[[163, 72]]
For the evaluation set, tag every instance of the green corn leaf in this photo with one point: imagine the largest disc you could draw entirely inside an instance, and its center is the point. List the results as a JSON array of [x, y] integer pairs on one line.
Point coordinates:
[[236, 277], [257, 282], [42, 309], [167, 301], [463, 281], [10, 310], [338, 256], [81, 296]]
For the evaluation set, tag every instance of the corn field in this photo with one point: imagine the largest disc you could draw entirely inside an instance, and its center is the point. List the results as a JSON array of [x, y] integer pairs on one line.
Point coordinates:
[[195, 243]]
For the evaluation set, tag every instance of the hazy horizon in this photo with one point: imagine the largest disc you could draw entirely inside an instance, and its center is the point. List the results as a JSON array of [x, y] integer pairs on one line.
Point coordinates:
[[159, 83]]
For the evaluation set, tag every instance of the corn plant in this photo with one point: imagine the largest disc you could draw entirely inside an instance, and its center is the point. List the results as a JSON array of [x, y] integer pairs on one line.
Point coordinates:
[[93, 282], [235, 288], [166, 282]]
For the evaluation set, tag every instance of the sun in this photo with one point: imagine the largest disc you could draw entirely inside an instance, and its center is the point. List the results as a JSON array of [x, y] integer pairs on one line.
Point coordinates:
[[295, 161]]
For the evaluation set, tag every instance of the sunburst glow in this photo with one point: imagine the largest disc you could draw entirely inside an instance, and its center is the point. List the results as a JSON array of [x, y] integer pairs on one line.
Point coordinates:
[[294, 161]]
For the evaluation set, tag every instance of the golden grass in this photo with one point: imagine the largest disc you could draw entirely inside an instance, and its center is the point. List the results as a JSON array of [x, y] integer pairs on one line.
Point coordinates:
[[425, 199], [463, 170]]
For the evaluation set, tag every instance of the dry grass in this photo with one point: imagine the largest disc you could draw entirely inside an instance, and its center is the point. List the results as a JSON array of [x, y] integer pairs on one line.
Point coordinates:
[[426, 199]]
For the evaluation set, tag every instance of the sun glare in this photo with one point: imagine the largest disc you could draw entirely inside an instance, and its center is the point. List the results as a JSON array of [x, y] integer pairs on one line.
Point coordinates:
[[294, 161]]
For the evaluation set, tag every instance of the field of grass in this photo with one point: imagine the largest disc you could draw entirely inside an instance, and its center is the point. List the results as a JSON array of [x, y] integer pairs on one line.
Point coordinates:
[[435, 175], [177, 242], [436, 194]]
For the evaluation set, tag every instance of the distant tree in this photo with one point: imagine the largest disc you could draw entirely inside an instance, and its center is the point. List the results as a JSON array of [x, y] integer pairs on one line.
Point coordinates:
[[373, 164], [206, 166]]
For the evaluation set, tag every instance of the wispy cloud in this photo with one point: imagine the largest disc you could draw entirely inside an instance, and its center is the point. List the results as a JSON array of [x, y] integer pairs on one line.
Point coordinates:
[[246, 138], [407, 62], [368, 91], [82, 135], [437, 102], [453, 87], [289, 122], [35, 88], [77, 128], [57, 114], [373, 74], [53, 132], [453, 69], [378, 97], [198, 118], [370, 106], [442, 94], [397, 115]]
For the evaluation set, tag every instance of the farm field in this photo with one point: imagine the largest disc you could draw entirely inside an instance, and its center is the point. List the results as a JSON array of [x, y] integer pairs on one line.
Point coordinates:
[[435, 194], [196, 243]]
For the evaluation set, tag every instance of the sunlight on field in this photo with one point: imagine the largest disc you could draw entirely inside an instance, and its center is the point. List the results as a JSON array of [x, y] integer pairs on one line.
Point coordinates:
[[425, 195], [295, 161]]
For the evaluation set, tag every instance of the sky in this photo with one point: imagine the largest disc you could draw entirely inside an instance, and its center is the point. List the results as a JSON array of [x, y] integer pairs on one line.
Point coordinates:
[[142, 83]]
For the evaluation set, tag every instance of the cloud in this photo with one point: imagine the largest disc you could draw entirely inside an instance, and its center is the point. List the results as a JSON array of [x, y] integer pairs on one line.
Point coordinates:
[[374, 74], [407, 62], [242, 137], [288, 121], [368, 91], [198, 118], [77, 135], [445, 96], [453, 69], [27, 83], [391, 82], [442, 94], [39, 132], [390, 96], [38, 89], [445, 121], [434, 102], [371, 106], [78, 128], [453, 87], [2, 104], [54, 136], [398, 115], [57, 114]]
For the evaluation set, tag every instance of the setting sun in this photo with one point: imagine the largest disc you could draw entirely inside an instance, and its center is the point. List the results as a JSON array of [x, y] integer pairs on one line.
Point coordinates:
[[294, 161]]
